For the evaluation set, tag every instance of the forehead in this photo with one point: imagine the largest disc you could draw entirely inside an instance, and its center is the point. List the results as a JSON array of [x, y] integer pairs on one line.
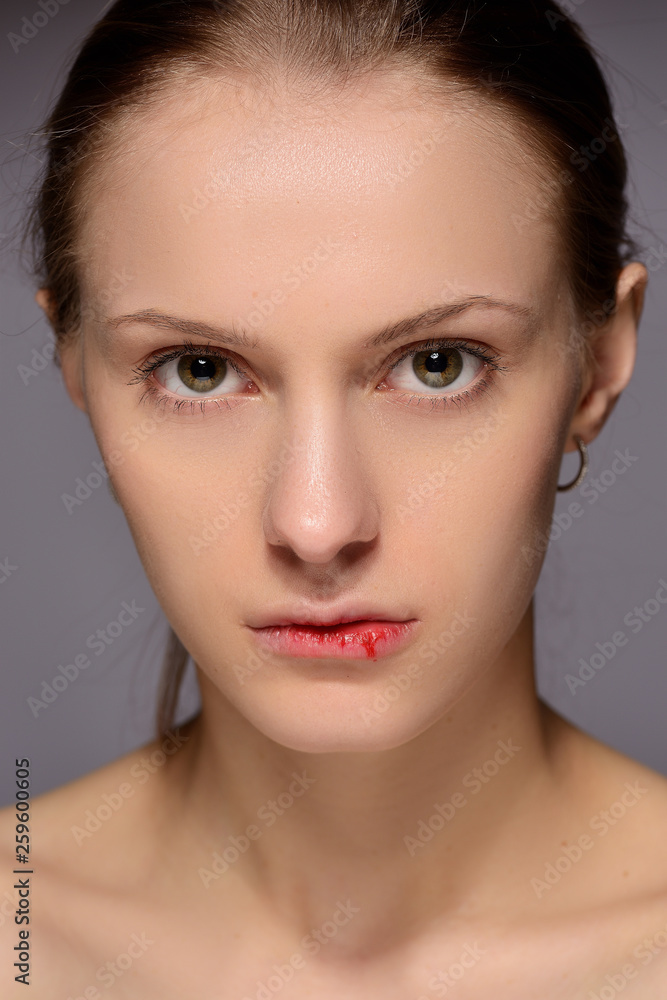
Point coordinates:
[[377, 194]]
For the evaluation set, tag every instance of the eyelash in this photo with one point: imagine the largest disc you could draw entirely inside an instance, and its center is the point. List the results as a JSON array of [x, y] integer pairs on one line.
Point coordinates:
[[144, 371]]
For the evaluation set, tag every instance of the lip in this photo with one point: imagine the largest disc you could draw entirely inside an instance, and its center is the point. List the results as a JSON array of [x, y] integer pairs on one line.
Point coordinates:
[[350, 639]]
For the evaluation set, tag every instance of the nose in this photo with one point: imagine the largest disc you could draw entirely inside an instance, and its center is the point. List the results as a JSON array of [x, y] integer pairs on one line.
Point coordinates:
[[321, 502]]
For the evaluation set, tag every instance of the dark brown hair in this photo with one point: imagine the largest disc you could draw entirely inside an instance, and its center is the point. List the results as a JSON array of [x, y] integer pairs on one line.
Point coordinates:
[[528, 59]]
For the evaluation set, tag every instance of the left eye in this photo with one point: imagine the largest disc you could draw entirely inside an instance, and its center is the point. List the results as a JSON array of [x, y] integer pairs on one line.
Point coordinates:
[[442, 368], [195, 374]]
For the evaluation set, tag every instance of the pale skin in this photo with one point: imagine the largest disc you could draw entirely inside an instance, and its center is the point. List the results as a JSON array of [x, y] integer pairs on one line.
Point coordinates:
[[336, 523]]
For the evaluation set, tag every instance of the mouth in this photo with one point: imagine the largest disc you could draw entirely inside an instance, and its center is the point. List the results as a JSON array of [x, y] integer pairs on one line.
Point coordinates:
[[347, 639]]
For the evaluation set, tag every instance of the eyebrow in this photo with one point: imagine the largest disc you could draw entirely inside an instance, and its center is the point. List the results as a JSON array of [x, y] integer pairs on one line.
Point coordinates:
[[232, 337]]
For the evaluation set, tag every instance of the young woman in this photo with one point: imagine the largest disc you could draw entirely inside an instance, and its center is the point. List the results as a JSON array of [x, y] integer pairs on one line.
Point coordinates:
[[359, 252]]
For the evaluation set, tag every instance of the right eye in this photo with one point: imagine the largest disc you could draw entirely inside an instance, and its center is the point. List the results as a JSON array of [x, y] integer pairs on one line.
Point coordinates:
[[198, 375]]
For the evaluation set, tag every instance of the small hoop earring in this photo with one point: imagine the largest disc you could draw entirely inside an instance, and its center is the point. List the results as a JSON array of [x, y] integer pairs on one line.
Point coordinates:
[[583, 451]]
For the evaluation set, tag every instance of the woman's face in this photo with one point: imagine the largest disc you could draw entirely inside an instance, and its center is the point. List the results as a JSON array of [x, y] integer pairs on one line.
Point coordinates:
[[295, 470]]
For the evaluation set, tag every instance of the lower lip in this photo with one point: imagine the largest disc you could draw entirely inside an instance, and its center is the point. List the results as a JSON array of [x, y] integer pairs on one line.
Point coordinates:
[[353, 640]]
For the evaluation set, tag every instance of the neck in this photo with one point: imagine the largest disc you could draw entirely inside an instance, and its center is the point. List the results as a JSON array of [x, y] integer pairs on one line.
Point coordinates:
[[407, 835]]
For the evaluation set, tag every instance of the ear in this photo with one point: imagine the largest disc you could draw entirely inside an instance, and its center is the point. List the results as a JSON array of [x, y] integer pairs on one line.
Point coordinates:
[[613, 348], [69, 352]]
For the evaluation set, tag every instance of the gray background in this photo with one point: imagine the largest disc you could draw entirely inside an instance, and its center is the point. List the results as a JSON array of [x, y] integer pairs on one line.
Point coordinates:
[[73, 571]]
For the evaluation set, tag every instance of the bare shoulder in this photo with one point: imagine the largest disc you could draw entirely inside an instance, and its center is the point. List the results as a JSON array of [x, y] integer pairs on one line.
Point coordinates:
[[622, 805], [89, 843], [79, 819]]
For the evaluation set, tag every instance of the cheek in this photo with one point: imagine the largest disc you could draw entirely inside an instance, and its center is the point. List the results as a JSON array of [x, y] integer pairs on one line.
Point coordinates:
[[185, 487], [188, 515], [475, 522]]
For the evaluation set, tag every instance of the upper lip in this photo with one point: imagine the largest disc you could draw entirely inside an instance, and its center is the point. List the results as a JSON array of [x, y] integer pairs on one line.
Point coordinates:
[[325, 616]]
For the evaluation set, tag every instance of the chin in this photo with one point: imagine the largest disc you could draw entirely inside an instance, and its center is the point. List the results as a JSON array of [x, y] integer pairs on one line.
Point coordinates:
[[331, 722]]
